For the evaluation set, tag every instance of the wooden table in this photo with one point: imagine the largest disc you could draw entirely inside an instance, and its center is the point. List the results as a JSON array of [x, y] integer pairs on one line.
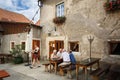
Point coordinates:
[[55, 62], [3, 74], [85, 64]]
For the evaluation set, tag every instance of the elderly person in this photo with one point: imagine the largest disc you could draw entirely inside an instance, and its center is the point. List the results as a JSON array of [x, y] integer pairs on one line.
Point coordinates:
[[72, 58], [59, 53], [66, 58], [54, 55]]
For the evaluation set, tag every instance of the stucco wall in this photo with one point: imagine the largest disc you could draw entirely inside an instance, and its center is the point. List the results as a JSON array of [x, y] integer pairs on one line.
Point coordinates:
[[84, 17], [17, 38], [36, 32]]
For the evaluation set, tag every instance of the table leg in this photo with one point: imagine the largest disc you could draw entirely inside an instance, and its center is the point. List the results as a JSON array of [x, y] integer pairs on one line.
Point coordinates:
[[50, 67], [77, 69], [3, 59], [55, 68], [90, 68], [86, 74], [98, 64]]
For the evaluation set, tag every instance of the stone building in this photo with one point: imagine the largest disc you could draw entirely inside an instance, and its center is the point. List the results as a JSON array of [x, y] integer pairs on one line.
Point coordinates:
[[84, 18], [17, 29]]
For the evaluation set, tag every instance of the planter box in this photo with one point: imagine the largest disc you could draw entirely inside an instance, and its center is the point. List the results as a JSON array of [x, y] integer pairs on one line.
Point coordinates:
[[18, 60]]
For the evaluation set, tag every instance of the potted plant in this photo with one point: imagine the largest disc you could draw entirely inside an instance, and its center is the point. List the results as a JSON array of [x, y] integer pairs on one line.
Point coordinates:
[[59, 20], [17, 54]]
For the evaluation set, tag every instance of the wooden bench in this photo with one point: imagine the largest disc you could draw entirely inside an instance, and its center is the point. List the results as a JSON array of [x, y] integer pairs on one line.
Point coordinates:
[[3, 74], [97, 73], [100, 72], [62, 70], [46, 66], [5, 58], [67, 69]]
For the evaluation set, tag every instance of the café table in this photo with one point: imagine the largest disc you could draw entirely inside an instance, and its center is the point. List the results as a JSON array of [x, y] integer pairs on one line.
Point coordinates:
[[85, 64], [55, 62]]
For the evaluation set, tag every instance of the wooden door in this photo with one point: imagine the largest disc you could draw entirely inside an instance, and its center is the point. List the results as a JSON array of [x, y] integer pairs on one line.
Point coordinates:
[[36, 42], [57, 44]]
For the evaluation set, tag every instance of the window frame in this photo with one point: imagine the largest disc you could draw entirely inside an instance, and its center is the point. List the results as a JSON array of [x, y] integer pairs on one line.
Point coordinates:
[[21, 44], [58, 4], [11, 44], [74, 42]]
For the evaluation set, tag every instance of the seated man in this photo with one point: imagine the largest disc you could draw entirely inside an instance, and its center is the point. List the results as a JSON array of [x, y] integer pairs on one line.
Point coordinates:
[[72, 66], [66, 58], [59, 53], [72, 59]]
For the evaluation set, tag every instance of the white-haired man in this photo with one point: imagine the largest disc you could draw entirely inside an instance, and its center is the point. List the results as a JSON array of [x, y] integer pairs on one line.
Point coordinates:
[[59, 53], [66, 58]]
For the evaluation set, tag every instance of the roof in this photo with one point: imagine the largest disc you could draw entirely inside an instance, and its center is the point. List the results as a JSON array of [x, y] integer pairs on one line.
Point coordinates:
[[9, 16], [38, 22]]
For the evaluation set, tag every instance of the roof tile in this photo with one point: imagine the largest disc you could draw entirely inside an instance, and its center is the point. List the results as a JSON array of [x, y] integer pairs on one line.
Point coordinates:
[[9, 16]]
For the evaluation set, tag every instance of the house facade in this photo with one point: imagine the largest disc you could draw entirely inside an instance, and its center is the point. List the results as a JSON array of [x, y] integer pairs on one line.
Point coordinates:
[[85, 19], [17, 29]]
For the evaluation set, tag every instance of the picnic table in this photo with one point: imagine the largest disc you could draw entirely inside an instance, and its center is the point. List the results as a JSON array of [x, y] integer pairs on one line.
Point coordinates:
[[55, 62], [85, 64], [3, 74]]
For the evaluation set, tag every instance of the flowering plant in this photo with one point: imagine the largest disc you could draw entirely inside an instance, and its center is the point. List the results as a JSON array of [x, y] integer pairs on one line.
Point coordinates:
[[59, 20], [112, 5]]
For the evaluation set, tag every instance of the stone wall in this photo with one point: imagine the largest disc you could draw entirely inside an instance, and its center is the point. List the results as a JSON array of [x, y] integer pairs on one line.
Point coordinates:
[[84, 17], [17, 38]]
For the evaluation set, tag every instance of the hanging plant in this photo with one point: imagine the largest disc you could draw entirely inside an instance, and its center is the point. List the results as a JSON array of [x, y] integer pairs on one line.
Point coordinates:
[[112, 5], [59, 20]]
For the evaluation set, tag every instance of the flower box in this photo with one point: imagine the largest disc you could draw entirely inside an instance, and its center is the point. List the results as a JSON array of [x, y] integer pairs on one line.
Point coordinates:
[[59, 20], [112, 5]]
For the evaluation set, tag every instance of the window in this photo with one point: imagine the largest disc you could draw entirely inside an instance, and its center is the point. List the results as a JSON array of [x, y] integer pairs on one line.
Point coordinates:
[[23, 45], [74, 46], [12, 44], [60, 9]]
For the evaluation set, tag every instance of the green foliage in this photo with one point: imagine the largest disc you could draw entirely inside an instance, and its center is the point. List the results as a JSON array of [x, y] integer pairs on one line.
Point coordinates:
[[18, 60], [17, 53], [17, 50]]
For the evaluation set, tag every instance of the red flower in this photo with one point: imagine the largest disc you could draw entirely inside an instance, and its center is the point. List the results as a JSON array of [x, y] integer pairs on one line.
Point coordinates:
[[59, 20]]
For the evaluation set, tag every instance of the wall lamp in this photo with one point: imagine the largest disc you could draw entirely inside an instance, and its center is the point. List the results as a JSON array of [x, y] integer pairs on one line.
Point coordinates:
[[40, 3]]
